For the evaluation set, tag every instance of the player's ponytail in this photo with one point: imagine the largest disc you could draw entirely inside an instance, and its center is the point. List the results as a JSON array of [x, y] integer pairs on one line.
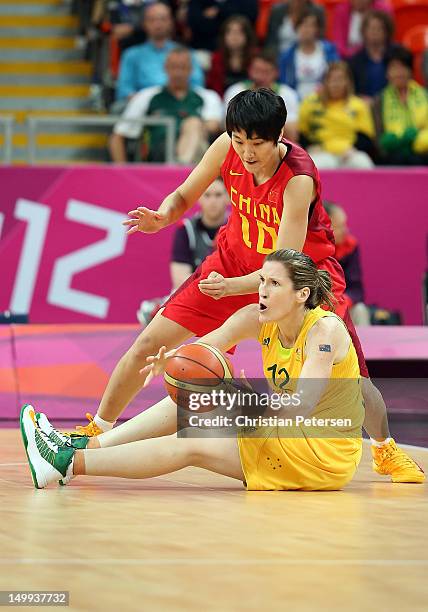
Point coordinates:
[[304, 273], [324, 294]]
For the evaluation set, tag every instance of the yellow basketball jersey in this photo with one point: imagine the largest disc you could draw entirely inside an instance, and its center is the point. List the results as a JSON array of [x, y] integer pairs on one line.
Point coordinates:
[[306, 457]]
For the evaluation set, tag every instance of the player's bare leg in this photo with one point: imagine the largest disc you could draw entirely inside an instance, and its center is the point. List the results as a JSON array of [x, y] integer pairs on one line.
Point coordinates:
[[388, 458], [50, 460], [158, 420], [157, 456], [376, 418], [126, 380]]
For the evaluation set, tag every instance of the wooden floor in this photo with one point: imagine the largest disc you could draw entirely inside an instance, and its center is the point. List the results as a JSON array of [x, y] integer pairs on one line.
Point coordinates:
[[197, 541]]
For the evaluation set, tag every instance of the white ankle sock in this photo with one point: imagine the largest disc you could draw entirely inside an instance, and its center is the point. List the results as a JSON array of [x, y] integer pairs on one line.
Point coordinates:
[[102, 424], [380, 443]]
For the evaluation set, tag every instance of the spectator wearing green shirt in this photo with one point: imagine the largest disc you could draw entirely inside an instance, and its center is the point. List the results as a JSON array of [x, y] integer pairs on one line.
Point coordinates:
[[197, 111], [401, 114], [143, 65]]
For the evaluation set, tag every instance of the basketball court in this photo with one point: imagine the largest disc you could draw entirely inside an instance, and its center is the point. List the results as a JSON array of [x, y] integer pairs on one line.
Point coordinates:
[[195, 540]]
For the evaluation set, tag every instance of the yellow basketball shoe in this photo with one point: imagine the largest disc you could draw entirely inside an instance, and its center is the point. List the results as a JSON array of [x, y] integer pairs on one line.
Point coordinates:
[[390, 460], [90, 430]]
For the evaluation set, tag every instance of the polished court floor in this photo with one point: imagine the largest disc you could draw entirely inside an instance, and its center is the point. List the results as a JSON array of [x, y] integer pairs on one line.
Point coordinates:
[[197, 541]]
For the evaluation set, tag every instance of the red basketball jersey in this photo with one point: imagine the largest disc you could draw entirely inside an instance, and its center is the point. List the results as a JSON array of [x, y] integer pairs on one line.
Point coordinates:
[[252, 229]]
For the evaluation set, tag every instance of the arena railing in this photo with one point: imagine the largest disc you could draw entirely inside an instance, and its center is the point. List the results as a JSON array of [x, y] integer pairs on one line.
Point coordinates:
[[34, 125], [7, 123]]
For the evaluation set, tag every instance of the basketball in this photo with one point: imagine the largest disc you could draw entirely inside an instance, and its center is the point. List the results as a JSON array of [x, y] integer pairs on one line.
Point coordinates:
[[195, 368]]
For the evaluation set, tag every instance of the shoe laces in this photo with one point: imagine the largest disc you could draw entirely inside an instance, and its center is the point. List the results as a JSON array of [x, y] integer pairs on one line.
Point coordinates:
[[91, 428], [393, 456], [46, 447]]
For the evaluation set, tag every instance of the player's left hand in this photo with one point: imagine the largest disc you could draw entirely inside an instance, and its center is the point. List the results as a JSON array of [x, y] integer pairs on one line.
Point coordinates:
[[214, 286]]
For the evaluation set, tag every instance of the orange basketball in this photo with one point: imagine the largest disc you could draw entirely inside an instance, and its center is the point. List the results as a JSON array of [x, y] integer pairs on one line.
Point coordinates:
[[195, 368]]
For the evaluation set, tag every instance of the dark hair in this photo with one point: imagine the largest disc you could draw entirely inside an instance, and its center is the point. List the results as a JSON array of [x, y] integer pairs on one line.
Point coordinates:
[[309, 12], [259, 112], [303, 273], [267, 56], [179, 49], [384, 18], [250, 39], [155, 3], [402, 55]]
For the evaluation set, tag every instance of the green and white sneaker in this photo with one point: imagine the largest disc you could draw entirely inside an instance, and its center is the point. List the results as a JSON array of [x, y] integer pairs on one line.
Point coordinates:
[[58, 437], [48, 462], [61, 439]]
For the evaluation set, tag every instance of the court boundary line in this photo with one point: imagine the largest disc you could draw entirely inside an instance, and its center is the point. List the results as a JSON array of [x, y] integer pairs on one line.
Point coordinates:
[[221, 561]]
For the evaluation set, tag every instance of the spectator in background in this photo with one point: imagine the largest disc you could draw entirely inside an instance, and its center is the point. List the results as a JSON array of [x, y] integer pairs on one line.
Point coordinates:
[[194, 240], [263, 72], [126, 18], [205, 17], [143, 65], [401, 114], [282, 23], [335, 125], [304, 64], [230, 63], [348, 255], [195, 236], [198, 113], [368, 65], [347, 20]]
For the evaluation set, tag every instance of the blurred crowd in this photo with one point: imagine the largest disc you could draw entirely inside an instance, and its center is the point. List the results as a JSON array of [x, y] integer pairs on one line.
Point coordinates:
[[353, 73]]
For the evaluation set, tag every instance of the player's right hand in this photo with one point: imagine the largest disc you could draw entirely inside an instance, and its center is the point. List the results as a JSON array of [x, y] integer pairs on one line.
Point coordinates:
[[156, 364], [145, 220]]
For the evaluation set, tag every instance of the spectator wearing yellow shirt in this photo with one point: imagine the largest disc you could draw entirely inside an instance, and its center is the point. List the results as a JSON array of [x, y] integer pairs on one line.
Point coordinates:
[[401, 114], [336, 127]]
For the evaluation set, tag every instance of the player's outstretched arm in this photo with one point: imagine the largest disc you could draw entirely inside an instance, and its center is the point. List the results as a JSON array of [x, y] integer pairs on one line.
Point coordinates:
[[242, 325], [173, 207]]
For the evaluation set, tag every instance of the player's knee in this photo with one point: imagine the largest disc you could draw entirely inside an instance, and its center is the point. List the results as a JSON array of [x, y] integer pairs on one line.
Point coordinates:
[[144, 346], [194, 450]]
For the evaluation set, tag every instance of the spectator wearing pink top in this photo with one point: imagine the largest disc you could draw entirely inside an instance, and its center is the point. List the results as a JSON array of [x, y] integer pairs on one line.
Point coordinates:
[[347, 21]]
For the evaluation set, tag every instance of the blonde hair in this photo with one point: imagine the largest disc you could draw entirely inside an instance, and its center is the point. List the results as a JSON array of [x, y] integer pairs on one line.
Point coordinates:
[[342, 67], [303, 273]]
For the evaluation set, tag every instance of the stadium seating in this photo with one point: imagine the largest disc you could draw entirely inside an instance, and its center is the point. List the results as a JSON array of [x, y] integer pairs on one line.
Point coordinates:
[[329, 8], [416, 39], [262, 23], [408, 14]]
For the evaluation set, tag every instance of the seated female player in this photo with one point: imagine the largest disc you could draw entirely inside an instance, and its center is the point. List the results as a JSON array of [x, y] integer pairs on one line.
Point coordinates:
[[299, 341]]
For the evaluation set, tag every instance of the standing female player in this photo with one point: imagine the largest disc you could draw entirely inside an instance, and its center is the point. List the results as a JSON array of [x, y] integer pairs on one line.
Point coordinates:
[[307, 345], [275, 189]]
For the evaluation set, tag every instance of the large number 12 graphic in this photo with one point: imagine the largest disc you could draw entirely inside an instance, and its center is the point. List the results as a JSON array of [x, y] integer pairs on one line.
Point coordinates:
[[275, 373], [60, 293]]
